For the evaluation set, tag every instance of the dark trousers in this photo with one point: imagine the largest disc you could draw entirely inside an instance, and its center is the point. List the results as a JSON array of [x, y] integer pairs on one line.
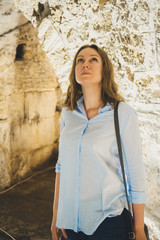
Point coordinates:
[[110, 229]]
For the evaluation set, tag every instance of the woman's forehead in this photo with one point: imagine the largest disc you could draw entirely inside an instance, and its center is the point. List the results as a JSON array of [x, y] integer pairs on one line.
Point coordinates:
[[88, 52]]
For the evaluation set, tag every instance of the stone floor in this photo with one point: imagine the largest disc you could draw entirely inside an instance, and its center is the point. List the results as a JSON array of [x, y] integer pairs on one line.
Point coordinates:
[[26, 210]]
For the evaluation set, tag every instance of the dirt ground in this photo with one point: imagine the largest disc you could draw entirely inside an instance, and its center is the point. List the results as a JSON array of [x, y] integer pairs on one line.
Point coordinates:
[[26, 210]]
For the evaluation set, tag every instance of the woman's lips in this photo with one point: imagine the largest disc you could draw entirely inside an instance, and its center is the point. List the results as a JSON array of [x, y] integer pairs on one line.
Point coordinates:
[[85, 73]]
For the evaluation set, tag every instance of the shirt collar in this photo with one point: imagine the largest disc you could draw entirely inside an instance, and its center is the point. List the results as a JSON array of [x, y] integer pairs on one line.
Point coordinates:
[[80, 105]]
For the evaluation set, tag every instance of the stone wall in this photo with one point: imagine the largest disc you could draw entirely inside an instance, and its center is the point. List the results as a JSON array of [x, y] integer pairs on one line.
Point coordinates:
[[28, 98], [129, 30]]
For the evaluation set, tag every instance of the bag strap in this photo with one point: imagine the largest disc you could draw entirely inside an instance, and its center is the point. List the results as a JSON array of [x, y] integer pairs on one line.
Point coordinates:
[[116, 124]]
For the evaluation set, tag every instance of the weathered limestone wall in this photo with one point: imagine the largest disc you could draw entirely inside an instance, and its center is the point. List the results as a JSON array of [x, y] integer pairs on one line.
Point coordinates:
[[129, 30], [28, 97]]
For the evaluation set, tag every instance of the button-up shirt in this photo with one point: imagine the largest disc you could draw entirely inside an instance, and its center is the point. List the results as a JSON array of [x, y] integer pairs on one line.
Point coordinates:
[[91, 182]]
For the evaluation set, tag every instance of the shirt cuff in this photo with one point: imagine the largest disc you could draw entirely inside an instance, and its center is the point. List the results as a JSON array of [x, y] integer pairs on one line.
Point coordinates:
[[58, 168], [137, 197]]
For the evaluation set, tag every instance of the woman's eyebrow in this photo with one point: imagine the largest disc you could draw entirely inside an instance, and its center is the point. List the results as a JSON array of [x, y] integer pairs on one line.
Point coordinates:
[[92, 55]]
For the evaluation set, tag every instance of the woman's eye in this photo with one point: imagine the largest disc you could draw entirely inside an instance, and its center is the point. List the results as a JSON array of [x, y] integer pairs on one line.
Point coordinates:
[[80, 60], [94, 59]]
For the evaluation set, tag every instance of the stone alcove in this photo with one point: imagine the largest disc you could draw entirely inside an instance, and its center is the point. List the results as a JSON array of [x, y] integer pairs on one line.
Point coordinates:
[[20, 51]]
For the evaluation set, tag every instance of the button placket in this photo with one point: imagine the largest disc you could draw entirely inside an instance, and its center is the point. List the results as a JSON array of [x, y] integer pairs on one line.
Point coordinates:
[[78, 177]]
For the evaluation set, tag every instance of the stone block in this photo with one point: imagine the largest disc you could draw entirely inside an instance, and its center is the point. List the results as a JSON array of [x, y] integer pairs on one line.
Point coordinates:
[[16, 108], [103, 21], [19, 165], [5, 134], [39, 156], [158, 48], [10, 18], [4, 173], [103, 1], [36, 133], [40, 104], [3, 107]]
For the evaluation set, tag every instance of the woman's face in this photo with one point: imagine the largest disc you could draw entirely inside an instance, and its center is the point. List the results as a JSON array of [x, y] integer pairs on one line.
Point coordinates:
[[88, 69]]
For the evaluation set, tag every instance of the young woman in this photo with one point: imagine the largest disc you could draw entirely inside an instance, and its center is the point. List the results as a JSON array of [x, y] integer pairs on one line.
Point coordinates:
[[89, 198]]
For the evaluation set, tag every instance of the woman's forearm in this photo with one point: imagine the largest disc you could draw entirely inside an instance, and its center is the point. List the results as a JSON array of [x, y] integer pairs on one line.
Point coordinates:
[[138, 213]]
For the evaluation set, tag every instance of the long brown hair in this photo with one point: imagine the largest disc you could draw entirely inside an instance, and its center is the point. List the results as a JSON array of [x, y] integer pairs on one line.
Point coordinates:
[[109, 88]]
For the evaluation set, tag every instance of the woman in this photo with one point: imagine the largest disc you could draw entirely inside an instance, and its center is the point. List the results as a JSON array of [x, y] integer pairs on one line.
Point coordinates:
[[89, 196]]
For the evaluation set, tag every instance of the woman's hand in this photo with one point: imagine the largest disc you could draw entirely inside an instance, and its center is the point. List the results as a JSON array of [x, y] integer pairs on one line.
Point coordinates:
[[54, 231], [55, 234], [64, 233]]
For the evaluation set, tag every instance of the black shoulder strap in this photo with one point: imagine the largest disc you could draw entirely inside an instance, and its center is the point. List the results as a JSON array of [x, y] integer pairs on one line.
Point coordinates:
[[116, 124]]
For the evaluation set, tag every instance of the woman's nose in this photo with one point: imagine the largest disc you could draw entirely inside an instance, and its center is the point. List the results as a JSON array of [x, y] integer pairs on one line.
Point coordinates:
[[85, 64]]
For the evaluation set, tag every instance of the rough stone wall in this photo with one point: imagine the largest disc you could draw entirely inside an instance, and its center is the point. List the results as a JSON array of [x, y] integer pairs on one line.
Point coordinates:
[[28, 97], [129, 30]]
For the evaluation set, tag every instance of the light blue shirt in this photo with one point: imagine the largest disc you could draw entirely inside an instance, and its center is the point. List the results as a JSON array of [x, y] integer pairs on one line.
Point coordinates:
[[91, 183]]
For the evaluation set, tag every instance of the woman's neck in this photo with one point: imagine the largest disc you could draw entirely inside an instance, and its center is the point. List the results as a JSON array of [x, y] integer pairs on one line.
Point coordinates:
[[92, 98]]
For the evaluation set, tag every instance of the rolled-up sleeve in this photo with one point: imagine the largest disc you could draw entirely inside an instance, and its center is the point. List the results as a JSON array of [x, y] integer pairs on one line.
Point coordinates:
[[58, 167], [58, 164], [132, 154]]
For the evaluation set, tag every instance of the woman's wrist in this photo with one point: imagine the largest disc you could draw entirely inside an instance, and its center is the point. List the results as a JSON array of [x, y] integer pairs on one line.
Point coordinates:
[[139, 227], [140, 234], [54, 220]]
